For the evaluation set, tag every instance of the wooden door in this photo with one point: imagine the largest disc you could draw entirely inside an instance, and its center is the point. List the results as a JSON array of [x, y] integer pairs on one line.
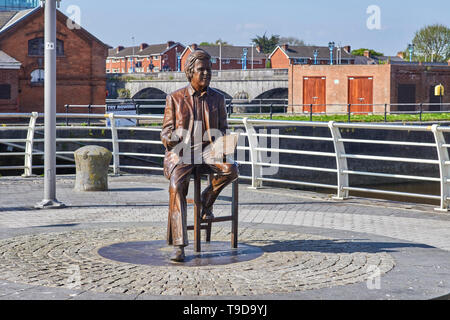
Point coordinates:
[[360, 94], [406, 93], [314, 92]]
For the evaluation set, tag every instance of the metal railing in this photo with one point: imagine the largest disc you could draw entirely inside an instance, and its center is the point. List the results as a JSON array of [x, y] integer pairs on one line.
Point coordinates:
[[271, 107], [256, 151]]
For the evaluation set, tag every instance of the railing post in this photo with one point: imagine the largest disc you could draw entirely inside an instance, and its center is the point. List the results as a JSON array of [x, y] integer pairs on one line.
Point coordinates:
[[385, 112], [271, 111], [341, 162], [67, 112], [115, 145], [421, 111], [444, 169], [311, 112], [138, 113], [89, 118], [349, 112], [254, 155], [29, 146]]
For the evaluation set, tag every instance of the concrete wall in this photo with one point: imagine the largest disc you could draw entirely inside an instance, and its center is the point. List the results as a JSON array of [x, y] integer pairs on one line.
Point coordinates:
[[233, 83]]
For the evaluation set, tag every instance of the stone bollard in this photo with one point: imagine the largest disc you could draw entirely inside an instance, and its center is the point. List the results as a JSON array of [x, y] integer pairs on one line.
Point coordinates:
[[92, 163]]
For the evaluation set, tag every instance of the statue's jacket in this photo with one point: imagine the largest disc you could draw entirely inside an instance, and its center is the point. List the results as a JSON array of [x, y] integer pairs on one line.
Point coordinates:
[[179, 116]]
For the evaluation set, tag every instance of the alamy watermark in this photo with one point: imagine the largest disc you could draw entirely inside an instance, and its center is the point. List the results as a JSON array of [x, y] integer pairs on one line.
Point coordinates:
[[74, 17], [374, 278], [374, 20], [73, 281]]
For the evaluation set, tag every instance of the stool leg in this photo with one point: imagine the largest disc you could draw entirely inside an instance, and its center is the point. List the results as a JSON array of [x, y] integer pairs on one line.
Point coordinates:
[[197, 212], [234, 213]]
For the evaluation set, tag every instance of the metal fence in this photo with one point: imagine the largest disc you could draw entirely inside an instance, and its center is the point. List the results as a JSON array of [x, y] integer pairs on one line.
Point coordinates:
[[271, 107], [254, 150]]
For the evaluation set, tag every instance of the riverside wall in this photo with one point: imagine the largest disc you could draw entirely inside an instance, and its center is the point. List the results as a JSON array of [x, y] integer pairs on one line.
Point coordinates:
[[391, 167]]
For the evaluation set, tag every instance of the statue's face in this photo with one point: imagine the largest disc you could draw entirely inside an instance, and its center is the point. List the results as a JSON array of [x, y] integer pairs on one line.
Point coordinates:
[[202, 75]]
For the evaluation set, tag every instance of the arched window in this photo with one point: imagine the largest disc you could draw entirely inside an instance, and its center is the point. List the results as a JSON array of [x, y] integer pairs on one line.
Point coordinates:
[[36, 47], [37, 76]]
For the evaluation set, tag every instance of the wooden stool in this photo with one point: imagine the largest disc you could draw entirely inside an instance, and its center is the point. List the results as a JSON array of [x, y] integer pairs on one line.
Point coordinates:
[[206, 224]]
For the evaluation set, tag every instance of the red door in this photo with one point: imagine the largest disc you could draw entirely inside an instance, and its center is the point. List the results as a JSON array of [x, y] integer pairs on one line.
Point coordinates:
[[360, 94], [314, 93]]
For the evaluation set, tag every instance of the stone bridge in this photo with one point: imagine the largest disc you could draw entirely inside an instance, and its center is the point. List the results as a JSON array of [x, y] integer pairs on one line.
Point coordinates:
[[237, 84]]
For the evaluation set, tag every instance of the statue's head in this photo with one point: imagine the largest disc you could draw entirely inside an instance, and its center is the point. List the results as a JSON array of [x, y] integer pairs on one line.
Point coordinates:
[[198, 69]]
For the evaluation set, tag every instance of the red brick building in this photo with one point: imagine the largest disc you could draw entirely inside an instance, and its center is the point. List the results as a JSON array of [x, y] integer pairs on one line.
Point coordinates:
[[144, 58], [229, 56], [81, 77], [285, 55], [367, 87], [9, 83]]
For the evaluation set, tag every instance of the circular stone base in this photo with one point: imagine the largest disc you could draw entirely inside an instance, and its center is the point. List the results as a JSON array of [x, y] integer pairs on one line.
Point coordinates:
[[290, 262], [157, 253]]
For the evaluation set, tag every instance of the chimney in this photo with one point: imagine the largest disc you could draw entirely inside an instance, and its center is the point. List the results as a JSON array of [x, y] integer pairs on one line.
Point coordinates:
[[143, 46], [119, 48], [169, 44], [367, 54], [194, 46], [348, 49], [285, 46], [258, 49]]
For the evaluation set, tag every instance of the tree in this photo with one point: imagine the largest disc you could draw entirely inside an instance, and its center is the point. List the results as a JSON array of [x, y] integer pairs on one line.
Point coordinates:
[[292, 41], [218, 42], [431, 44], [267, 44], [360, 52]]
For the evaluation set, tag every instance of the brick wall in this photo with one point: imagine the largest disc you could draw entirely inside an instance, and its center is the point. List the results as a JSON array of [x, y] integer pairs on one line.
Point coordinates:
[[337, 84], [279, 60], [11, 78], [423, 78]]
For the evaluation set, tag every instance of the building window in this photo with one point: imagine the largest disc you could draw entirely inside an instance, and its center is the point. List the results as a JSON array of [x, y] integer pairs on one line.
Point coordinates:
[[36, 47], [5, 91], [37, 76], [213, 60]]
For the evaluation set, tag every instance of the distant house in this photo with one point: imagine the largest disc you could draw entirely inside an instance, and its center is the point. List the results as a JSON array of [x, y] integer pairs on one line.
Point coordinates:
[[285, 55], [144, 58], [229, 57], [367, 58], [80, 62]]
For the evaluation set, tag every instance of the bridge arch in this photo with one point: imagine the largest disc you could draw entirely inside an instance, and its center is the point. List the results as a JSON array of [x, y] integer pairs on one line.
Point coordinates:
[[226, 95], [150, 93], [276, 93]]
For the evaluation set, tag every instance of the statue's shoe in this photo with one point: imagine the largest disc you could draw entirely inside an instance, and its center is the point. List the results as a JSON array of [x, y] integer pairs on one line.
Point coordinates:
[[207, 215], [178, 255]]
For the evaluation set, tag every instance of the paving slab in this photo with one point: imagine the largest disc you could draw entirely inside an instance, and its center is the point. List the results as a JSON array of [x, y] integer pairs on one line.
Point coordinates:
[[313, 247]]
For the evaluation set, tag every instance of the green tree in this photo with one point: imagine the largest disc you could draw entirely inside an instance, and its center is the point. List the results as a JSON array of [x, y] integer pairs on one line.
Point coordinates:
[[218, 42], [360, 52], [431, 44], [292, 41], [267, 44]]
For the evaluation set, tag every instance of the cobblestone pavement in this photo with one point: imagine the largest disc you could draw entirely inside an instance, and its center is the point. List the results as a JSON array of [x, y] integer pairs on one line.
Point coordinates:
[[314, 247]]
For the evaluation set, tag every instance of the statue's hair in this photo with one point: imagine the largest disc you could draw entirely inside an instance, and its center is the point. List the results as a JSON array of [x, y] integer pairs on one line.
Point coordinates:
[[197, 54]]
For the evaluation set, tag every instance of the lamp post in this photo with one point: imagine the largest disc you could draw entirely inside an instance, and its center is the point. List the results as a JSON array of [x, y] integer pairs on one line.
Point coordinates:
[[244, 59], [220, 56], [316, 54], [331, 47], [411, 51], [49, 200]]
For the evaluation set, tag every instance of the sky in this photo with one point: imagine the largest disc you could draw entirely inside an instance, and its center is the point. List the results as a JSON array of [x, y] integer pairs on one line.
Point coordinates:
[[386, 26]]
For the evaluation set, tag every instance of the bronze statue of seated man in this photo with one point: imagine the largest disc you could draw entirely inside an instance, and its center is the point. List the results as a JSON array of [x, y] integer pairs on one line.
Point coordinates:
[[194, 116]]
